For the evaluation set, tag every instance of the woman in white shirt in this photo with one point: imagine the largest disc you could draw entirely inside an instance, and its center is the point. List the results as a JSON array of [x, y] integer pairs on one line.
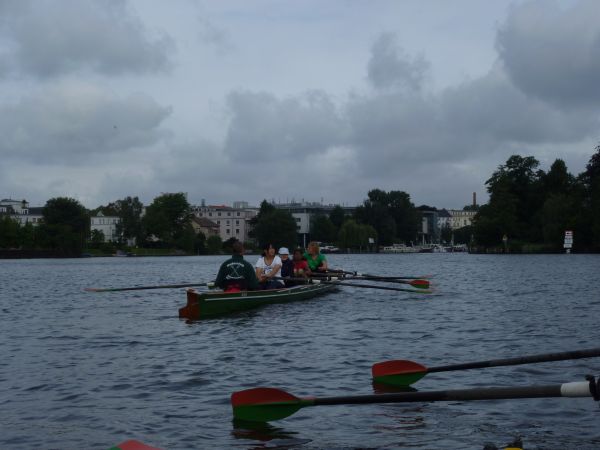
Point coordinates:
[[268, 268]]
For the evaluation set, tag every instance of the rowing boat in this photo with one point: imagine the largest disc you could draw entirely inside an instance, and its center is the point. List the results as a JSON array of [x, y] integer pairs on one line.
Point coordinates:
[[203, 304]]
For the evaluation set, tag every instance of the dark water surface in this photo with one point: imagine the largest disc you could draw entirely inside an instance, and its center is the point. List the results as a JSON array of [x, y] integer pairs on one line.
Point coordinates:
[[86, 371]]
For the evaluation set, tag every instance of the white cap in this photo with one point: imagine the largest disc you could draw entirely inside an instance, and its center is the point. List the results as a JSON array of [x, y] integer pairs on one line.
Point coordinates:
[[284, 251]]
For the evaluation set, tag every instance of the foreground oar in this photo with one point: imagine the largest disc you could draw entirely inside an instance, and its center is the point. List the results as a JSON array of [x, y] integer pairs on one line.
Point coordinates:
[[418, 283], [405, 373], [358, 285], [140, 288], [133, 445], [267, 404]]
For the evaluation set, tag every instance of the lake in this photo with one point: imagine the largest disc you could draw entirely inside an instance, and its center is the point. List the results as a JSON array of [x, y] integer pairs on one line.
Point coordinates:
[[83, 370]]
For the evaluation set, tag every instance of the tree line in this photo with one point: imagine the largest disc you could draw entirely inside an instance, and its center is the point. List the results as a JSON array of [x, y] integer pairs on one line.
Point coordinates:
[[528, 210]]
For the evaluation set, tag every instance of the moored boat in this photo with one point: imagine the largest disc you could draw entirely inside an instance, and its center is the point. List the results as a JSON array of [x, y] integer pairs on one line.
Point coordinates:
[[205, 304]]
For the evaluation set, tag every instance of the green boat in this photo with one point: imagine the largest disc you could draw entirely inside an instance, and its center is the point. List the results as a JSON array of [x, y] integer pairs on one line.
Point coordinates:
[[204, 304]]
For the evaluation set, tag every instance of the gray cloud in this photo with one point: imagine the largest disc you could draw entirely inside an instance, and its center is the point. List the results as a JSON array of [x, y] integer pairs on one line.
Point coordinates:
[[47, 38], [68, 123], [390, 67], [554, 54], [262, 127]]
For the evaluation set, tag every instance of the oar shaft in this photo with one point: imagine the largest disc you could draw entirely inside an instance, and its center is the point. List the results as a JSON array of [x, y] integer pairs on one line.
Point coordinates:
[[575, 389], [140, 288], [547, 357], [387, 288]]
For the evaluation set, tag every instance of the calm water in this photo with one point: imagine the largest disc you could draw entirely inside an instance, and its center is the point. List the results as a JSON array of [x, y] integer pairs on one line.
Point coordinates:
[[87, 371]]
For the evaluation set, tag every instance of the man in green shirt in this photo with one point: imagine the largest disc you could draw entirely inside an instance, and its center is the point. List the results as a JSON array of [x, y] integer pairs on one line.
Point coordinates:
[[236, 274]]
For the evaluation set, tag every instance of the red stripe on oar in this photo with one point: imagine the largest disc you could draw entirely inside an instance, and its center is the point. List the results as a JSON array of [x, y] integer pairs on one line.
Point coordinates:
[[135, 445], [396, 367], [258, 396], [421, 283]]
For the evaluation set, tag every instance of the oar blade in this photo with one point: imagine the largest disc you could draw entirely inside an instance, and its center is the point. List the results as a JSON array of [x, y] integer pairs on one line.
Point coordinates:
[[133, 445], [420, 284], [398, 372], [264, 404]]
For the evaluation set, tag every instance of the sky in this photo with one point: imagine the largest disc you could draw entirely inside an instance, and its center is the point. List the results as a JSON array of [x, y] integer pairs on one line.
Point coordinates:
[[245, 100]]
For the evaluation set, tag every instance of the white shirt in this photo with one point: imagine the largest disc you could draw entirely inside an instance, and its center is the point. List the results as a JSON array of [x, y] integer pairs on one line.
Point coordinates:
[[268, 268]]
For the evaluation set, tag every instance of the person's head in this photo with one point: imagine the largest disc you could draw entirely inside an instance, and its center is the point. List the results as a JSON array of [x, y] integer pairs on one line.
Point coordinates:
[[237, 248], [298, 254], [284, 253], [313, 248], [269, 250]]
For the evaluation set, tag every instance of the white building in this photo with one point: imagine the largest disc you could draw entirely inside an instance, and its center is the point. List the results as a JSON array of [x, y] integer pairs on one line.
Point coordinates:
[[461, 218], [20, 211], [107, 225], [232, 222]]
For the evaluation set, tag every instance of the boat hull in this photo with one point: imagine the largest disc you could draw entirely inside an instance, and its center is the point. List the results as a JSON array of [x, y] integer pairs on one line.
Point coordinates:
[[201, 305]]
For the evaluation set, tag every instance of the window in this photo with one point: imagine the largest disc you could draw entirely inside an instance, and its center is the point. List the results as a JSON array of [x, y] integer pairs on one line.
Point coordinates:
[[238, 214], [228, 214], [298, 219], [237, 222], [227, 231], [237, 231], [219, 214], [210, 214], [228, 222]]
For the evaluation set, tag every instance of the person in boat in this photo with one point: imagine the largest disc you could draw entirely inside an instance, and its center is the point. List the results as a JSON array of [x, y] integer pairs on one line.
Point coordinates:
[[315, 259], [301, 269], [268, 269], [237, 274], [287, 265]]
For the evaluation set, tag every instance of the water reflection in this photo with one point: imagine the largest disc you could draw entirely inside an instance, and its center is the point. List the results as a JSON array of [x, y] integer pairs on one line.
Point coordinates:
[[267, 435]]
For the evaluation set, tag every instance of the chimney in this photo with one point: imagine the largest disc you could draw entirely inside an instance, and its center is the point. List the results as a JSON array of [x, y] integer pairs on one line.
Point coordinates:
[[474, 199]]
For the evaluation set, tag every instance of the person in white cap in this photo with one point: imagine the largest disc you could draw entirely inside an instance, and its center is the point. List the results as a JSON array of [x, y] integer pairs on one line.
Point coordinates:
[[287, 265]]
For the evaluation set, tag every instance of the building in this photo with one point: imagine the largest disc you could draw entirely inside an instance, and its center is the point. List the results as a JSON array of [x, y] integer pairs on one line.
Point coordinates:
[[303, 212], [461, 218], [232, 222], [20, 211], [107, 225], [205, 226]]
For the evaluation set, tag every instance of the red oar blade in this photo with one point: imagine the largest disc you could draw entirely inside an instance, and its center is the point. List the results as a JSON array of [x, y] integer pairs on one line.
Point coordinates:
[[421, 284], [265, 404], [133, 445], [398, 372]]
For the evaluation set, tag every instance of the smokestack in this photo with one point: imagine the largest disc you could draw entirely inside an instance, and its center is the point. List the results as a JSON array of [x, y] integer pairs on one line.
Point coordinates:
[[474, 199]]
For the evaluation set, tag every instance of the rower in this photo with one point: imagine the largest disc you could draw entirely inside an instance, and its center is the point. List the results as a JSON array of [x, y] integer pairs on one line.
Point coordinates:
[[315, 259], [236, 274]]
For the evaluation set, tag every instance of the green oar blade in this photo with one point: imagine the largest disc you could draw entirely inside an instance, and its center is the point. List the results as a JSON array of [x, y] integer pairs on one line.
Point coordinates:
[[265, 404], [398, 372]]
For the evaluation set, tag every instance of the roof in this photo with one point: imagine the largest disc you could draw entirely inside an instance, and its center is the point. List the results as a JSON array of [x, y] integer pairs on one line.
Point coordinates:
[[204, 222], [444, 213], [36, 211]]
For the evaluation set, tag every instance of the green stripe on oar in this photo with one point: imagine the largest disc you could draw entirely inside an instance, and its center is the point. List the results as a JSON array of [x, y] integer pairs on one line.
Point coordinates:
[[140, 288], [267, 404], [371, 286], [382, 277], [405, 373], [133, 445]]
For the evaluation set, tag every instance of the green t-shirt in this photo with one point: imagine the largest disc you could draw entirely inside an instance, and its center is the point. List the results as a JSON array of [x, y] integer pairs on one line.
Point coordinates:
[[313, 263]]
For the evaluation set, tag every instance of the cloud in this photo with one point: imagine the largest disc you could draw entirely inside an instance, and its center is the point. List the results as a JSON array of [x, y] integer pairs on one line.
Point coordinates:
[[70, 122], [45, 38], [553, 54], [263, 127], [390, 67]]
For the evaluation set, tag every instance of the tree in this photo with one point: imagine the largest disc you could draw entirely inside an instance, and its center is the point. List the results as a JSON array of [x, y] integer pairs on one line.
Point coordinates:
[[446, 233], [65, 226], [129, 210], [337, 216], [391, 214], [9, 232], [214, 244], [167, 218], [353, 235], [591, 180], [97, 238], [274, 226], [322, 229]]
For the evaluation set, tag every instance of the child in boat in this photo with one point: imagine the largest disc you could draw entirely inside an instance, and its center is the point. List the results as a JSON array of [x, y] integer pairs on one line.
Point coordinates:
[[287, 265], [301, 269], [236, 274]]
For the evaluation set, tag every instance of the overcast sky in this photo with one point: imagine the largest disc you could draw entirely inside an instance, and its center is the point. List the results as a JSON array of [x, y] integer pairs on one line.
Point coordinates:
[[250, 99]]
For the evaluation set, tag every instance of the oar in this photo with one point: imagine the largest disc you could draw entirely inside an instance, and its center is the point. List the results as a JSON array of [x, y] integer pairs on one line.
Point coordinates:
[[140, 288], [267, 404], [405, 373], [419, 284], [359, 285], [377, 277], [132, 445]]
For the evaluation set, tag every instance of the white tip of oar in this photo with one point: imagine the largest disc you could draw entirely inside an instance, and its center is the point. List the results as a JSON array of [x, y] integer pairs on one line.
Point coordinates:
[[333, 278], [316, 281], [575, 389], [210, 285]]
